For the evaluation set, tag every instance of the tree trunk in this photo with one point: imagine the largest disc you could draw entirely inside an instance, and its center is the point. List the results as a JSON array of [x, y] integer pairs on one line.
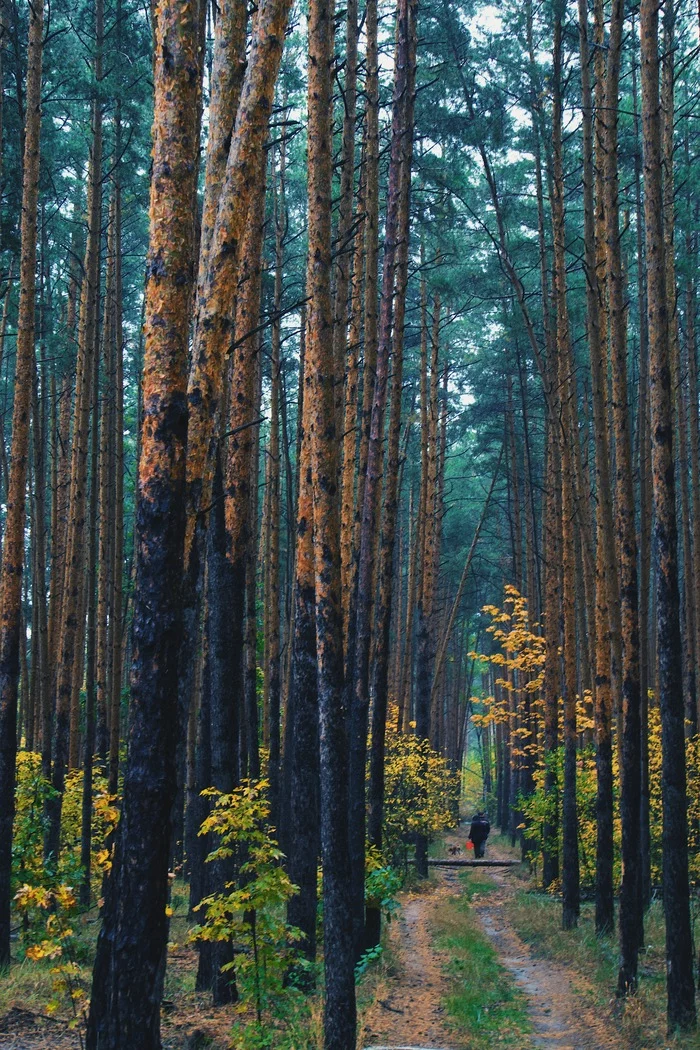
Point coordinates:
[[605, 549], [105, 619], [13, 541], [344, 238], [403, 130], [340, 1011], [236, 184], [302, 750], [90, 683], [568, 435], [272, 640], [224, 708], [630, 898], [644, 515], [359, 710], [127, 975], [117, 571], [679, 960], [67, 725]]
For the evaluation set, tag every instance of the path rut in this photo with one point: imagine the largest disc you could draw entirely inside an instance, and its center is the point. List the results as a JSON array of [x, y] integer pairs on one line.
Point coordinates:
[[409, 1012], [558, 1000]]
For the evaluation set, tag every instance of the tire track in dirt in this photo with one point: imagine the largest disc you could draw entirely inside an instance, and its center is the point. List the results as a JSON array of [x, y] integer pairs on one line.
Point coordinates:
[[558, 1000], [409, 1012]]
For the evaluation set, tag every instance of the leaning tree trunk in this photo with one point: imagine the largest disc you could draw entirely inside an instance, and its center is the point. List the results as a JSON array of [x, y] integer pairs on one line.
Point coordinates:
[[226, 75], [13, 543]]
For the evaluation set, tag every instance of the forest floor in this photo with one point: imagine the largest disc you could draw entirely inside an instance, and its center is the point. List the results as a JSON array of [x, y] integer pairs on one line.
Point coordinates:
[[475, 959], [461, 977]]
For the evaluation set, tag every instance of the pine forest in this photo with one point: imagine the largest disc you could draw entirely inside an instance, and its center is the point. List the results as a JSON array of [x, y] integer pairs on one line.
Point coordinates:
[[350, 524]]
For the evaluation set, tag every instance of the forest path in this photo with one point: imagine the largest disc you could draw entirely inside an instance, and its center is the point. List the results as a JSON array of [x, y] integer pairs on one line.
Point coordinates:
[[558, 999], [409, 1011], [409, 1014]]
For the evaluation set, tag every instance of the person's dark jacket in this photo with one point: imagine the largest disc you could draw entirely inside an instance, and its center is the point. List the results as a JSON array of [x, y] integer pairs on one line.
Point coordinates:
[[479, 832]]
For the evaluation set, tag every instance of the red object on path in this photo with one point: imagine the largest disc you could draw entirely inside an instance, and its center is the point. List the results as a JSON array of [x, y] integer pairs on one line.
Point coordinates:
[[470, 845]]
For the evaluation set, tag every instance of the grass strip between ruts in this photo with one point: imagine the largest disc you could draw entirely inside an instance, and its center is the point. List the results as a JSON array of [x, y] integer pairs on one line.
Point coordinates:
[[484, 1001]]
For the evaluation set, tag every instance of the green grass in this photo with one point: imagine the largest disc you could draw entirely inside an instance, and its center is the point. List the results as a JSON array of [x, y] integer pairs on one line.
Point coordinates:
[[642, 1019], [484, 1000]]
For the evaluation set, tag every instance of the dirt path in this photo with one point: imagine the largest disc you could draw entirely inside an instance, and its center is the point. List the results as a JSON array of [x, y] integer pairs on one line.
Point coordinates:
[[408, 1013], [557, 1000]]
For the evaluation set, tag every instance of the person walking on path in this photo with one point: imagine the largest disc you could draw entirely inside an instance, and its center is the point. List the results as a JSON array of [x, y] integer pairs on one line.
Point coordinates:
[[478, 833]]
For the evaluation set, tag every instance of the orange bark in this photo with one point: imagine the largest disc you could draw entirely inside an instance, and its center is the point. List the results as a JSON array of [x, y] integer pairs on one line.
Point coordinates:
[[214, 317], [129, 959]]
